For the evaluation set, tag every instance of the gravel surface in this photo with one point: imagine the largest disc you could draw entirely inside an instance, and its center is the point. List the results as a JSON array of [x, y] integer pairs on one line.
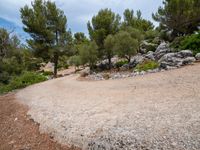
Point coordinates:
[[154, 111]]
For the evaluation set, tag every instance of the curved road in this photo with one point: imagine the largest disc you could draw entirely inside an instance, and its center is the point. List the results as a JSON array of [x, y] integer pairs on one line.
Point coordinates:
[[154, 111]]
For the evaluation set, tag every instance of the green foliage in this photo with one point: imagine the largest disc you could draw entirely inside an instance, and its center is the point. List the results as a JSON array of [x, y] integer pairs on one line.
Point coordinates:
[[151, 35], [75, 60], [104, 23], [125, 45], [88, 53], [191, 42], [80, 38], [179, 16], [148, 46], [63, 62], [46, 25], [135, 33], [147, 65], [121, 63], [137, 22], [25, 79], [109, 45], [176, 43], [4, 77], [47, 73]]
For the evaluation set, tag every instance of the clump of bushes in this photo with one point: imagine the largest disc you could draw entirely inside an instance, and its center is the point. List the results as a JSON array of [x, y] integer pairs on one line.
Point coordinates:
[[191, 42], [147, 65], [121, 63], [25, 79], [47, 73]]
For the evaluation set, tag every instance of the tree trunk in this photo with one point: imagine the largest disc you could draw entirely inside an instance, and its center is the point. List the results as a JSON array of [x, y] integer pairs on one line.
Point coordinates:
[[55, 64], [56, 57], [109, 61]]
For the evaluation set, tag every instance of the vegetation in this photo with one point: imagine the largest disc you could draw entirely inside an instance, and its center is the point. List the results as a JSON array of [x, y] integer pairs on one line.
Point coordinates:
[[109, 36], [121, 63], [103, 24], [25, 79], [126, 46], [46, 25], [180, 17], [191, 42], [147, 65]]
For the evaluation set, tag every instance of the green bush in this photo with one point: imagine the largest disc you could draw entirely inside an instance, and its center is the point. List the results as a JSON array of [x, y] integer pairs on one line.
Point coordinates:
[[121, 63], [176, 43], [47, 73], [25, 79], [63, 62], [4, 78], [191, 42], [147, 65]]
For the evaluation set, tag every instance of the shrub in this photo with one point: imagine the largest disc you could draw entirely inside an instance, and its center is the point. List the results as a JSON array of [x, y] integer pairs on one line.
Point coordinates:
[[25, 79], [147, 65], [63, 62], [121, 63], [4, 78], [177, 42], [47, 73], [75, 60], [106, 76], [191, 42]]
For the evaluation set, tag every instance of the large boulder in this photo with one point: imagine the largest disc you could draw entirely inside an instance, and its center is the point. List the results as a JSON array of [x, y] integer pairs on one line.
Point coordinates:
[[150, 55], [178, 59], [138, 59], [185, 53], [197, 56], [161, 50]]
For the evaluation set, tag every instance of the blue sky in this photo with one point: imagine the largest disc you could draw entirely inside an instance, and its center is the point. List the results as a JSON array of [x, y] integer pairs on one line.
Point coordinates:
[[78, 12]]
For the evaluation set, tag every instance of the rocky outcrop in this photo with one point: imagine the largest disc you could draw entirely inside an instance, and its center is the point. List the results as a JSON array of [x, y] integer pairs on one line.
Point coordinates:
[[136, 60], [150, 55], [178, 59], [161, 50]]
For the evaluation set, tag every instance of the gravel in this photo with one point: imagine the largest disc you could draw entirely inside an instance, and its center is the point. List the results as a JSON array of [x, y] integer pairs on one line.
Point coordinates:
[[156, 111]]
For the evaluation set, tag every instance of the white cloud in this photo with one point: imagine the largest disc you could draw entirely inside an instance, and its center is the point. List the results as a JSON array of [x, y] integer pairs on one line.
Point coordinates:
[[79, 12]]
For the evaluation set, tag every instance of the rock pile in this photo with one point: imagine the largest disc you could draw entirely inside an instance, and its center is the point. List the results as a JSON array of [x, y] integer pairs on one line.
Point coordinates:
[[178, 59], [164, 55]]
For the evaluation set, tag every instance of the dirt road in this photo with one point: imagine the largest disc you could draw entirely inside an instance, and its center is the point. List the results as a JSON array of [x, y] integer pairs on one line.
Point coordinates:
[[154, 111], [19, 132]]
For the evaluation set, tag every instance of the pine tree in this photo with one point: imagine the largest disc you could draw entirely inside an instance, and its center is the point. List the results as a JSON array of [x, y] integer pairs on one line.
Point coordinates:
[[179, 17], [46, 25]]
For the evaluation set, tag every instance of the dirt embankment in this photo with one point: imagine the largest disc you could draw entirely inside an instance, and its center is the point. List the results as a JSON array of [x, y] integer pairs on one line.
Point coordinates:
[[18, 132]]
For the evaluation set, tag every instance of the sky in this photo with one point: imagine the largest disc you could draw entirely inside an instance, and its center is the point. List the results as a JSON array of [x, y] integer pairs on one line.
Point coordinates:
[[78, 12]]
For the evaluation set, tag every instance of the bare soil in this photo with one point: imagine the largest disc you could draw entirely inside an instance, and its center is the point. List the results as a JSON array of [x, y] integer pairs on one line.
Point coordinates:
[[19, 132]]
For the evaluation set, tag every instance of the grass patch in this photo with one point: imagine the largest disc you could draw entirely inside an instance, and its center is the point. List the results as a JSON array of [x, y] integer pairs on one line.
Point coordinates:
[[121, 63], [147, 65], [25, 79]]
